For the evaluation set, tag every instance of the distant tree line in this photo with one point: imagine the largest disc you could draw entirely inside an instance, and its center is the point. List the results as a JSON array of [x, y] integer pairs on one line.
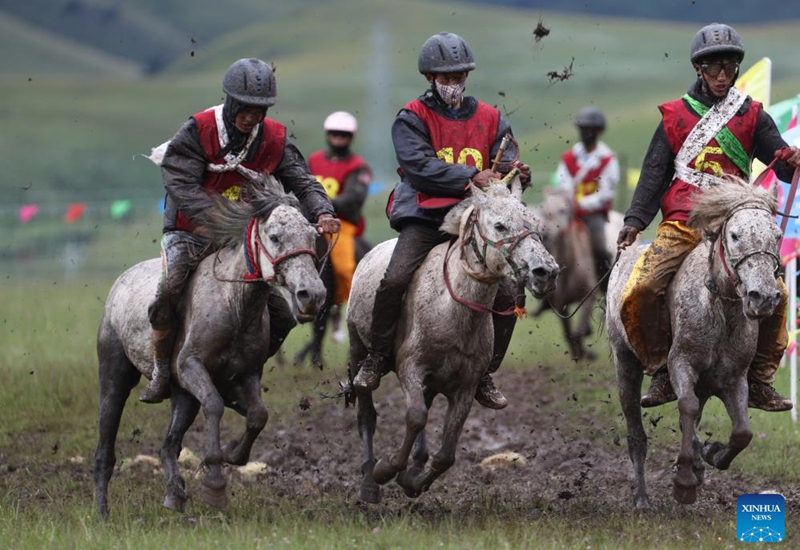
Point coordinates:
[[701, 11]]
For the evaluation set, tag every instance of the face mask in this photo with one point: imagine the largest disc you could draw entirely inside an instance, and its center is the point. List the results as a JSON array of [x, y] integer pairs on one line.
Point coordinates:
[[451, 94]]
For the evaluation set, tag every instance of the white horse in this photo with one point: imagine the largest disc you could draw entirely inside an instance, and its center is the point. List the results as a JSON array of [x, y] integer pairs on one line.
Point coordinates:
[[718, 296], [445, 334]]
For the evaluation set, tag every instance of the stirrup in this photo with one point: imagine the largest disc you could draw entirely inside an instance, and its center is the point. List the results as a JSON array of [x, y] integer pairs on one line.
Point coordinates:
[[370, 370]]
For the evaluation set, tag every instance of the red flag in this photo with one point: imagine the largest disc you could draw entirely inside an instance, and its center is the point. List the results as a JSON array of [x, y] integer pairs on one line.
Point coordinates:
[[74, 212]]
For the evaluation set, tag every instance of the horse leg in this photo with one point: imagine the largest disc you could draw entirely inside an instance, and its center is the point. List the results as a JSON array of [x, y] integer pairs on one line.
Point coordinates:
[[416, 419], [248, 404], [685, 482], [367, 420], [184, 409], [419, 457], [735, 400], [574, 341], [629, 385], [196, 380], [117, 378], [458, 407]]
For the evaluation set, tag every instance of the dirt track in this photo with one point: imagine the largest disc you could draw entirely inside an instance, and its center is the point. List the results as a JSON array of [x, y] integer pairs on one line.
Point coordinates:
[[318, 452]]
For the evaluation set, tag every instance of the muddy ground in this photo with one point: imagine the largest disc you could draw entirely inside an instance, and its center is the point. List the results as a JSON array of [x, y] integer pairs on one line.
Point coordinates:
[[573, 457]]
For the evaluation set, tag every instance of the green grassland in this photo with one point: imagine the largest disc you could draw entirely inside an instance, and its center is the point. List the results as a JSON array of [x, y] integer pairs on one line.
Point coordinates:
[[74, 123]]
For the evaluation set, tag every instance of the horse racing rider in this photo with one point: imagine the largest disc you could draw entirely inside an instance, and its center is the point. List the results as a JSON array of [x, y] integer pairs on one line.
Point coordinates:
[[346, 178], [590, 172], [444, 142], [710, 132], [201, 160]]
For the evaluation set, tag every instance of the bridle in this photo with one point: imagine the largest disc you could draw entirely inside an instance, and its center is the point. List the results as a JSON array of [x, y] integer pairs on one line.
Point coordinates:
[[471, 234], [253, 245], [731, 263]]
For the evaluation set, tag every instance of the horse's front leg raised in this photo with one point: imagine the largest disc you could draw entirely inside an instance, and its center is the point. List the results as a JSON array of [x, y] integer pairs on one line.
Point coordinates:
[[458, 407], [249, 404], [184, 409], [735, 399], [684, 379], [195, 379], [416, 419]]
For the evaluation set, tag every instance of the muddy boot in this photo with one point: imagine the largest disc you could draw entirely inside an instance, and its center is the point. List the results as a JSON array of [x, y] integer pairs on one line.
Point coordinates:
[[158, 388], [660, 391], [488, 395], [370, 370], [763, 396]]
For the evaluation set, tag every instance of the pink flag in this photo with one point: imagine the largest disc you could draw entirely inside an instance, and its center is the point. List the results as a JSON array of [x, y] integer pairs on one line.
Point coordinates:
[[27, 212]]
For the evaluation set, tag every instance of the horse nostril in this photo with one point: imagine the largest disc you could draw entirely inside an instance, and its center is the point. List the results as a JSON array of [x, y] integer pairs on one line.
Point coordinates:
[[540, 273], [302, 296], [754, 296]]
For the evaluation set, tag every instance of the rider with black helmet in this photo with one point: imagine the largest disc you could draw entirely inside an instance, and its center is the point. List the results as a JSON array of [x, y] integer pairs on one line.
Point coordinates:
[[208, 155], [688, 152], [589, 171], [444, 141]]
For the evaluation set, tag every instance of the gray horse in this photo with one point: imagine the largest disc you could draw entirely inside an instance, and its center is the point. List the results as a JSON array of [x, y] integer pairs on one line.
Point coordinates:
[[568, 241], [722, 290], [445, 337], [223, 340]]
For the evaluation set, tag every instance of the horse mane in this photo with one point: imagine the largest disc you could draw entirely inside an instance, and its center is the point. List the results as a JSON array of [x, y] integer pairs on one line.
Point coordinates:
[[714, 205], [227, 220]]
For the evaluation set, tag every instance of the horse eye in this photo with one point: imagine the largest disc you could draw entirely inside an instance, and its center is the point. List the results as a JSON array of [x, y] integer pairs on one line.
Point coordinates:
[[274, 239], [734, 236], [499, 227]]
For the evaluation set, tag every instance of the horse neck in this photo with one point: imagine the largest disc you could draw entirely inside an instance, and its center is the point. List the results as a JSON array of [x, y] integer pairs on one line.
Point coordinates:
[[465, 272], [245, 297], [715, 273]]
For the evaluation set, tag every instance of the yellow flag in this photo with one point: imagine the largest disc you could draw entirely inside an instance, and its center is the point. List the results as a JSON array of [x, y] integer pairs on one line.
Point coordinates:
[[757, 81]]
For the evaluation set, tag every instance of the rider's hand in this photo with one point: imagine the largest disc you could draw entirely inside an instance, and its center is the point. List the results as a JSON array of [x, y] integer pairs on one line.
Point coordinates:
[[328, 224], [524, 173], [627, 236], [484, 179], [789, 155]]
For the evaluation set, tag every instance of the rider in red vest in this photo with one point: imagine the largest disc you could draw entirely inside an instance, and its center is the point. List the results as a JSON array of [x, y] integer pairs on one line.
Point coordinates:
[[346, 178], [679, 163], [590, 172], [200, 160], [444, 142]]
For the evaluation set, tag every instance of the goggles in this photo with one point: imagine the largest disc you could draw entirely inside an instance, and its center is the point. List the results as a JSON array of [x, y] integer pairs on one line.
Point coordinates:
[[713, 69]]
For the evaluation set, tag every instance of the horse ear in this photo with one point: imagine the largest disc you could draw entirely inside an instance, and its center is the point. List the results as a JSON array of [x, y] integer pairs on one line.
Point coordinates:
[[773, 188], [453, 218]]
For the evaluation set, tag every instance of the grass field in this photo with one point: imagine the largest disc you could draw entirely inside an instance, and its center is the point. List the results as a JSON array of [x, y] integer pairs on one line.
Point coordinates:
[[48, 399]]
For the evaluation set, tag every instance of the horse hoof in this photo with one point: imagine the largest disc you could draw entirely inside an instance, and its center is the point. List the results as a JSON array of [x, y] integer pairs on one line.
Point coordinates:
[[684, 495], [370, 493], [383, 473], [175, 503], [216, 498]]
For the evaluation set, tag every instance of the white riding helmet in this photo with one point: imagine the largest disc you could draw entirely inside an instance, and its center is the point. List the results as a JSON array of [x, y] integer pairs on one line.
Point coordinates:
[[341, 121]]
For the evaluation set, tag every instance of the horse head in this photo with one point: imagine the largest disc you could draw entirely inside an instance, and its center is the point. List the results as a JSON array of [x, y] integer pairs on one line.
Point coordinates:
[[557, 212], [738, 221], [500, 237], [279, 244]]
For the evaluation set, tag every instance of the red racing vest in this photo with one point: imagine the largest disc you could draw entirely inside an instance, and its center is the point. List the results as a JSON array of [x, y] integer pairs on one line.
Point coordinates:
[[458, 142], [678, 120], [588, 186], [228, 184], [332, 174]]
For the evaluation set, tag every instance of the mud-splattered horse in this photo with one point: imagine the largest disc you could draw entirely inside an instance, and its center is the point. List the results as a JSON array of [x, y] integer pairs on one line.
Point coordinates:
[[223, 340], [723, 289], [444, 346]]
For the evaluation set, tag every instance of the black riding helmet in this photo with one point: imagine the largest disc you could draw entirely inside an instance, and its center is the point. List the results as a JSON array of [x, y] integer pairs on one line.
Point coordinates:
[[445, 53], [715, 39]]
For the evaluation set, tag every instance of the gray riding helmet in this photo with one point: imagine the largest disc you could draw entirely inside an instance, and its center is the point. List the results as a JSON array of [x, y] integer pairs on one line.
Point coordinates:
[[716, 38], [251, 82], [590, 117], [445, 53]]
